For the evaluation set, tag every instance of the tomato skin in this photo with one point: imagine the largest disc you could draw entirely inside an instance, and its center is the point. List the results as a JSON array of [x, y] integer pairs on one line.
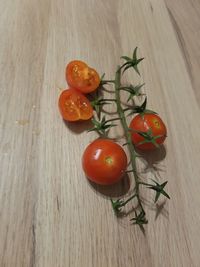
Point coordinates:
[[143, 123], [80, 76], [74, 106], [104, 162]]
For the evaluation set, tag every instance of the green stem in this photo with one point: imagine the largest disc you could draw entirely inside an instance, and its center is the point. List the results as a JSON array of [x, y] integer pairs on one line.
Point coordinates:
[[127, 135], [145, 184], [108, 81], [108, 99], [125, 89], [114, 119], [121, 67], [129, 170], [130, 198], [126, 109]]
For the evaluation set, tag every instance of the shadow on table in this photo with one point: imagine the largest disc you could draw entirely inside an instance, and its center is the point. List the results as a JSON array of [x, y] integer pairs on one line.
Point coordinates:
[[78, 127], [152, 159], [159, 208], [116, 190]]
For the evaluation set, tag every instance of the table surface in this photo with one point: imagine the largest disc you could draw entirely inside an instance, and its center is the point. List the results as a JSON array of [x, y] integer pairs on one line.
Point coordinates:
[[50, 215]]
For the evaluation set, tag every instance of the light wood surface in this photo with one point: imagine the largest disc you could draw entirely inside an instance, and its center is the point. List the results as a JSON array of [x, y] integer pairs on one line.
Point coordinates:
[[50, 216]]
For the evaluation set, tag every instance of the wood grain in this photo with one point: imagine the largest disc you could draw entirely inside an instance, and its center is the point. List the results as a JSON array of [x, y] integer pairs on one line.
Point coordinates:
[[50, 215], [185, 20]]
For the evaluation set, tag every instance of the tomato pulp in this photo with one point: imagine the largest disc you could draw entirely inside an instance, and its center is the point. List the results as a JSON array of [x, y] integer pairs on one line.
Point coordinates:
[[74, 106], [80, 76], [104, 162]]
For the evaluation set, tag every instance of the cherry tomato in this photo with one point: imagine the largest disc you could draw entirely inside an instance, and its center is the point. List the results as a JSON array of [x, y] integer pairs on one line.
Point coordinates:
[[104, 162], [144, 123], [80, 76], [74, 106]]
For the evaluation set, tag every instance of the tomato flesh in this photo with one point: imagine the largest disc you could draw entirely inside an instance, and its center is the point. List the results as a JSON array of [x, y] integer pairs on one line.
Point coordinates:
[[104, 162], [74, 106], [143, 123], [80, 76]]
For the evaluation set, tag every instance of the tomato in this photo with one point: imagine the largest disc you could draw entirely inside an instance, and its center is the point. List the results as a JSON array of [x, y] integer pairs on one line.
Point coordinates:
[[80, 76], [104, 162], [74, 106], [144, 123]]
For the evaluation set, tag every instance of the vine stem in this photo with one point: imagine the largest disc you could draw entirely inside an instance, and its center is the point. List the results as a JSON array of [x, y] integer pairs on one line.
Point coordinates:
[[108, 81], [127, 135]]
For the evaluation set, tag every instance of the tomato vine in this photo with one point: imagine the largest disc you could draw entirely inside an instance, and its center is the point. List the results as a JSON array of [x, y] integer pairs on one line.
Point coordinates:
[[102, 126], [74, 106]]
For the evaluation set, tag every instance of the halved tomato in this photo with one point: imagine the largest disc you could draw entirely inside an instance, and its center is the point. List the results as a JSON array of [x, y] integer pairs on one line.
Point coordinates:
[[80, 76], [74, 106]]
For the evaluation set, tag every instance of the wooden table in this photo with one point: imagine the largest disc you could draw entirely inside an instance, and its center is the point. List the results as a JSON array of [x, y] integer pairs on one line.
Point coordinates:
[[49, 214]]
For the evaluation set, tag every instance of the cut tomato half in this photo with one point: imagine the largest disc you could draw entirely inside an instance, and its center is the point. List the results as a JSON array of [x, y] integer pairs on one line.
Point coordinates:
[[74, 106], [80, 76]]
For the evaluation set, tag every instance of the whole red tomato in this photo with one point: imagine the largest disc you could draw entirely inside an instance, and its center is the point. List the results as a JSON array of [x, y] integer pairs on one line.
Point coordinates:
[[80, 76], [104, 162], [151, 123]]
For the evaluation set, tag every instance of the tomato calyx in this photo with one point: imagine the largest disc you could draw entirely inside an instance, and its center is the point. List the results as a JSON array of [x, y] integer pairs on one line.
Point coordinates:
[[140, 109], [131, 62], [159, 188], [140, 219], [103, 125], [148, 137], [132, 90], [119, 203], [98, 102]]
